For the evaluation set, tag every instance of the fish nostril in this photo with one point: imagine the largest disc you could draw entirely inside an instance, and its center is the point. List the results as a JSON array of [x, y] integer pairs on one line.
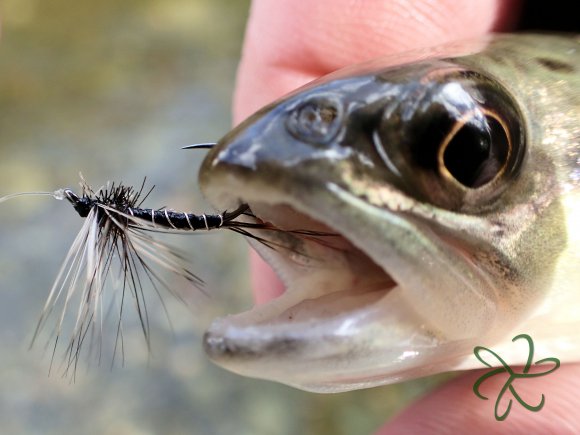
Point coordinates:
[[316, 121]]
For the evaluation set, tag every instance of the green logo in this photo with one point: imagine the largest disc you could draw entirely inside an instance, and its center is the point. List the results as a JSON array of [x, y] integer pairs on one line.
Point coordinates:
[[512, 376]]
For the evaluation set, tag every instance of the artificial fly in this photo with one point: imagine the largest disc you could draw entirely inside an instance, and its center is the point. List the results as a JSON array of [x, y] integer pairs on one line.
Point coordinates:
[[118, 232]]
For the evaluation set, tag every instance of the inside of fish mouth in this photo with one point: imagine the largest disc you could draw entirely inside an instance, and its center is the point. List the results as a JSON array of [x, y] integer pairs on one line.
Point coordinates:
[[326, 273]]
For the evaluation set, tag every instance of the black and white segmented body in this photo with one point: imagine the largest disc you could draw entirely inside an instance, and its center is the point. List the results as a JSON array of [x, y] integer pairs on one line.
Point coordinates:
[[163, 217], [116, 245]]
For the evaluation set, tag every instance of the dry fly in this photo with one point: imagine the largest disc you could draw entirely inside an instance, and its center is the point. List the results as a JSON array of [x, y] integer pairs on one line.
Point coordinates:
[[118, 232]]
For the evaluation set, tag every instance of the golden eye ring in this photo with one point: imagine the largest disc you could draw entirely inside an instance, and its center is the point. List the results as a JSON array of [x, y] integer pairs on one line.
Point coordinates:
[[456, 128]]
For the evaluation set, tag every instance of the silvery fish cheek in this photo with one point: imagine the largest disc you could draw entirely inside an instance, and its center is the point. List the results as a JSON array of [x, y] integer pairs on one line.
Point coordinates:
[[449, 180]]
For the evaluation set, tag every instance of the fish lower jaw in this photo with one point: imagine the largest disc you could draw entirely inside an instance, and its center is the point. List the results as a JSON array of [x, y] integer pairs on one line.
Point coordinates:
[[335, 342]]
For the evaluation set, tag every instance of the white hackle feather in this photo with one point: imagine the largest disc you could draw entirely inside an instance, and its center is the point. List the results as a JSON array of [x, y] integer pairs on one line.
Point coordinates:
[[112, 253]]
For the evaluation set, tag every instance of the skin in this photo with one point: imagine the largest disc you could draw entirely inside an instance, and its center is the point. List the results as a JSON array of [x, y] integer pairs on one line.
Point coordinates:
[[289, 43]]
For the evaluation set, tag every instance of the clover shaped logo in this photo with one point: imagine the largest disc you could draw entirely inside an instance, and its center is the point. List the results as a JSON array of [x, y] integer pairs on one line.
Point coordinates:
[[513, 376]]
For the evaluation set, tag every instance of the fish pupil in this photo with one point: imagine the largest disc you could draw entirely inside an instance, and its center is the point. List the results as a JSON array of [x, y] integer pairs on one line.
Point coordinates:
[[466, 154], [477, 153]]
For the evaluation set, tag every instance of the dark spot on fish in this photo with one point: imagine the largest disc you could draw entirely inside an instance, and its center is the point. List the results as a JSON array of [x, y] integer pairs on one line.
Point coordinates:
[[498, 229], [223, 347], [499, 264], [497, 58], [283, 346], [555, 65]]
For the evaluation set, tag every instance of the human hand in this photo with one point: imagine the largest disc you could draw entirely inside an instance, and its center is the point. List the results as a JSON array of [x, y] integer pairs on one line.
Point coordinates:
[[289, 43]]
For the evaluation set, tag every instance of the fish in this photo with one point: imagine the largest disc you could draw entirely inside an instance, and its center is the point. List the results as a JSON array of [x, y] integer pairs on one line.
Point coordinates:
[[450, 178]]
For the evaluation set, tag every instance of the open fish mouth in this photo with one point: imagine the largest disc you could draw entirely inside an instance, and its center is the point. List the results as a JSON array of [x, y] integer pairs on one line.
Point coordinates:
[[347, 280], [343, 322]]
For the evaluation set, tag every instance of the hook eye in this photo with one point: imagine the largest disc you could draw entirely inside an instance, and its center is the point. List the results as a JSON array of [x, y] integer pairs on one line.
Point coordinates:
[[71, 196]]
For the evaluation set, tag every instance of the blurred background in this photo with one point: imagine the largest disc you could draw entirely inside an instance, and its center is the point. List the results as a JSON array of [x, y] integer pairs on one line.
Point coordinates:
[[114, 89]]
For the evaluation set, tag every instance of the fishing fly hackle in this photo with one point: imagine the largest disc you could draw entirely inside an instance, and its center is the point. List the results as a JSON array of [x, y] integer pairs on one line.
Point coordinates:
[[115, 250]]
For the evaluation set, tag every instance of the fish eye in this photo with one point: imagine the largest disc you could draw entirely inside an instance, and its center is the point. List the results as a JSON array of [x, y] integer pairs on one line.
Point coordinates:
[[476, 150], [316, 121]]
